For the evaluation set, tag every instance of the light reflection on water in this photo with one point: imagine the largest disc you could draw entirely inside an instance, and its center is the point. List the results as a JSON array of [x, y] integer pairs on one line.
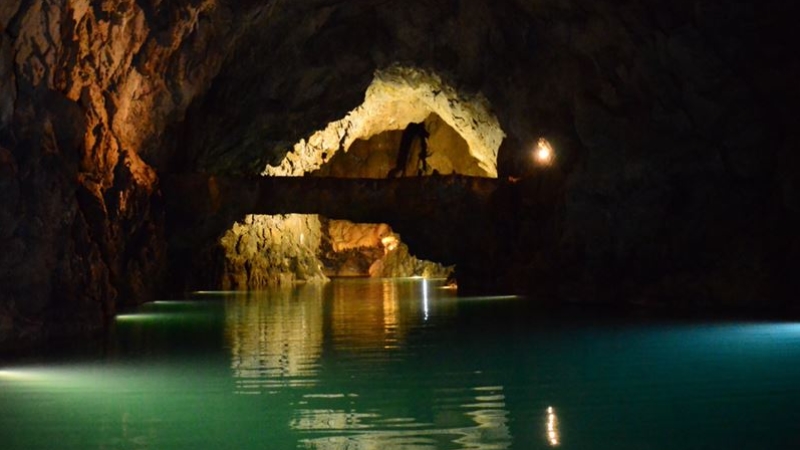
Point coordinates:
[[552, 427], [371, 430], [275, 339], [405, 365]]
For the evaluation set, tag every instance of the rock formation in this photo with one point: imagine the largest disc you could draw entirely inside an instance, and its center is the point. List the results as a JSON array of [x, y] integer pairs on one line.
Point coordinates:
[[272, 250], [674, 127], [87, 91], [371, 250]]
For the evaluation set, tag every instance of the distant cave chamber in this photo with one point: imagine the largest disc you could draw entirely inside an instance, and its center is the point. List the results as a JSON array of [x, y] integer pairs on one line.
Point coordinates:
[[411, 124], [267, 250], [274, 250], [430, 147]]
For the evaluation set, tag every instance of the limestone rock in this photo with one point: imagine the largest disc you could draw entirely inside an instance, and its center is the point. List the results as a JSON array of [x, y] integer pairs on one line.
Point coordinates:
[[397, 97], [7, 11], [370, 250], [266, 251], [399, 263], [8, 92], [676, 172], [86, 90]]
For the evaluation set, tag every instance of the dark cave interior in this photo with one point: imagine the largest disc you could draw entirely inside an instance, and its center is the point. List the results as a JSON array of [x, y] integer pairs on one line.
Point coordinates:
[[597, 152]]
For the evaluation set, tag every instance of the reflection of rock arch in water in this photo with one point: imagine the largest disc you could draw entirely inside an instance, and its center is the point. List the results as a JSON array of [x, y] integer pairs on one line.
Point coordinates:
[[372, 314], [354, 430], [275, 338], [365, 315], [276, 341]]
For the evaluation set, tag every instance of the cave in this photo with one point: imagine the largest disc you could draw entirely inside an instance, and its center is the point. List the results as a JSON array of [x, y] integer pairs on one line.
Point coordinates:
[[299, 178], [411, 124]]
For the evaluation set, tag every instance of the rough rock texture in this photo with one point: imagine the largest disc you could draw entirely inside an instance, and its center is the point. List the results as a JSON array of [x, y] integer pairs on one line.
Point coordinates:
[[370, 250], [87, 89], [400, 263], [345, 235], [279, 250], [272, 250], [675, 125], [448, 153], [396, 97], [366, 158]]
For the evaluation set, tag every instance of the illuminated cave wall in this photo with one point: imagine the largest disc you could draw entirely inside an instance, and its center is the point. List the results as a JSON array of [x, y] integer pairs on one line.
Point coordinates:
[[398, 96], [376, 156], [371, 250], [356, 249], [463, 138], [262, 251], [351, 249], [88, 91], [266, 251]]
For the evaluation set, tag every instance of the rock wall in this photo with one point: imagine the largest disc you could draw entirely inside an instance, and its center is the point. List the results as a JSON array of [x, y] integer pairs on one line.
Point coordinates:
[[87, 90], [281, 250], [448, 153], [264, 251], [397, 97], [366, 158], [370, 250], [268, 250], [400, 263]]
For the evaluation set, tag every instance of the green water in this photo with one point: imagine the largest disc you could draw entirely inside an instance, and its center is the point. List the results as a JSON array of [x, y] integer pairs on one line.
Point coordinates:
[[405, 365]]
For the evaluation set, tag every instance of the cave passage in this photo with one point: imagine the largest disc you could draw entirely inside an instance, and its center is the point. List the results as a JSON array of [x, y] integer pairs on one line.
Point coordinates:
[[281, 239], [411, 125], [409, 199], [442, 203]]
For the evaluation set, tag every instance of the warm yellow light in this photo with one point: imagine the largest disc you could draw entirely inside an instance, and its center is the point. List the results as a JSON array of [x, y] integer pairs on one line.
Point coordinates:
[[141, 317], [18, 375], [552, 427], [544, 153], [390, 243]]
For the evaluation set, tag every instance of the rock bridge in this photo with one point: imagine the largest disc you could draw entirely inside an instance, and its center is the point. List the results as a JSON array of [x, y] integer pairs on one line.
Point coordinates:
[[451, 219], [430, 212], [481, 225]]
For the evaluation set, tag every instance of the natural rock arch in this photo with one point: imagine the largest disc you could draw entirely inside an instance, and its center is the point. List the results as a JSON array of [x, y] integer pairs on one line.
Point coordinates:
[[397, 97], [263, 250]]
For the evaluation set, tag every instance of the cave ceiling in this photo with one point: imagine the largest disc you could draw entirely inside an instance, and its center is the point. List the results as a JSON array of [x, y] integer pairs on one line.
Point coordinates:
[[582, 72], [314, 63]]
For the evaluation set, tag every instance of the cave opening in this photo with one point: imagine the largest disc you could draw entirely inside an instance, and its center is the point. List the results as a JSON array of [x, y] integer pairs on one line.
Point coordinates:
[[411, 124], [429, 147]]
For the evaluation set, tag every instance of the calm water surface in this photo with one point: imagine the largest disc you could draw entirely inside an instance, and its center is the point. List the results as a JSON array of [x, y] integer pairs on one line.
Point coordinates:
[[406, 365]]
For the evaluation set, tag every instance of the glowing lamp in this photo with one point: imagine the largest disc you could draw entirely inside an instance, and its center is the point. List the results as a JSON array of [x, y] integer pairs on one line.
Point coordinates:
[[543, 154]]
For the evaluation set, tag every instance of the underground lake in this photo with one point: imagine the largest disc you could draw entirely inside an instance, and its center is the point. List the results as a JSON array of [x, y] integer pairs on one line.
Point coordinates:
[[404, 364], [611, 187]]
